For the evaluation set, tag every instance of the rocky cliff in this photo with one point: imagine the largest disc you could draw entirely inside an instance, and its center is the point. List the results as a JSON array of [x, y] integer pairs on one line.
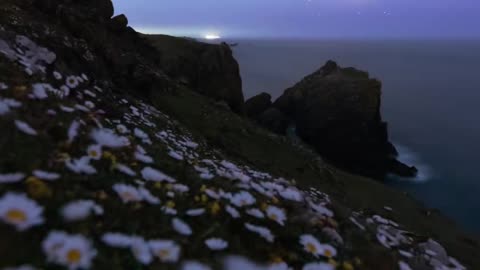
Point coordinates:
[[100, 171], [208, 69], [337, 111]]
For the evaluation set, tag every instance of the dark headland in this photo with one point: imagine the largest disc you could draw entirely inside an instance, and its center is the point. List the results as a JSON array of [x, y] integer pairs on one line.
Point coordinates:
[[154, 131]]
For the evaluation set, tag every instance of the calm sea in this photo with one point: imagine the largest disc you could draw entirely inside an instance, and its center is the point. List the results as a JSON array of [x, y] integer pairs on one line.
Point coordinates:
[[431, 100]]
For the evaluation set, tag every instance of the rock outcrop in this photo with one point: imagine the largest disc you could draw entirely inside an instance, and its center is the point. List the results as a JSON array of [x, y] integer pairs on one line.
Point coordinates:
[[256, 105], [108, 47], [337, 110], [208, 69]]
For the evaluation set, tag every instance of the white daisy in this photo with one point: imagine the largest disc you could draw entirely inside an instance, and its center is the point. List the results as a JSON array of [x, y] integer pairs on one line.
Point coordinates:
[[207, 176], [39, 91], [195, 212], [3, 86], [128, 193], [169, 211], [65, 91], [291, 194], [180, 188], [279, 266], [90, 93], [232, 211], [181, 227], [165, 250], [262, 231], [212, 194], [73, 131], [276, 214], [140, 134], [405, 253], [66, 109], [143, 158], [21, 267], [255, 212], [318, 266], [89, 104], [19, 211], [81, 165], [193, 265], [242, 198], [117, 240], [238, 262], [25, 128], [147, 196], [71, 251], [141, 250], [85, 77], [44, 175], [151, 174], [106, 137], [328, 251], [125, 169], [216, 244], [122, 129], [57, 75], [404, 266], [311, 244], [82, 108], [6, 105], [72, 82], [94, 151], [175, 155], [78, 210], [7, 178]]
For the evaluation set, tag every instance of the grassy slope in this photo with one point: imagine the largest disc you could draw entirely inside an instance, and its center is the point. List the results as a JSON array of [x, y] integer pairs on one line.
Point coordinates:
[[214, 127], [242, 139]]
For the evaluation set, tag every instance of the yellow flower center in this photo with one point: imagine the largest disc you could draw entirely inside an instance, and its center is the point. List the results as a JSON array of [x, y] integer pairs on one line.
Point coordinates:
[[16, 216], [74, 256], [215, 208], [311, 248], [328, 253], [274, 217], [94, 153], [163, 253]]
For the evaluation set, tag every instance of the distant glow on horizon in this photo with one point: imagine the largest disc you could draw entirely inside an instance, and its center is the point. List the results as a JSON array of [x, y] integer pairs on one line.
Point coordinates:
[[212, 36]]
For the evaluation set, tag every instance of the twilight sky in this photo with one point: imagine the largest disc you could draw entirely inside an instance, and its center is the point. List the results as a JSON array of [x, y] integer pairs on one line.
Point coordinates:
[[306, 18]]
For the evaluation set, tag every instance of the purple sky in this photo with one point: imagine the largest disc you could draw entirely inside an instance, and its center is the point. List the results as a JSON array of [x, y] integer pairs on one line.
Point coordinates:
[[306, 18]]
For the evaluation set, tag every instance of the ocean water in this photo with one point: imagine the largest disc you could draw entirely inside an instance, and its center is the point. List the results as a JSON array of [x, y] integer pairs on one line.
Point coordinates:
[[431, 100]]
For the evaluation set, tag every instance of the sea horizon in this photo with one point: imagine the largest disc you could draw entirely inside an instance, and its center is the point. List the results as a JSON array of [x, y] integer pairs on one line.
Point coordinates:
[[417, 84]]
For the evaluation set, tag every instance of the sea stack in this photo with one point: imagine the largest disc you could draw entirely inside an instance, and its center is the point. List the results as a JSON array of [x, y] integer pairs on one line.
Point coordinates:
[[337, 111]]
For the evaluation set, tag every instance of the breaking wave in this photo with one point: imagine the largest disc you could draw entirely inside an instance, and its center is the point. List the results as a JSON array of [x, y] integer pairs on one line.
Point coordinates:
[[409, 157]]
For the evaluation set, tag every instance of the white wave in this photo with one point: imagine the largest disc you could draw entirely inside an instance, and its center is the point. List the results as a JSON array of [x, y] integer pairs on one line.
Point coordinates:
[[409, 157]]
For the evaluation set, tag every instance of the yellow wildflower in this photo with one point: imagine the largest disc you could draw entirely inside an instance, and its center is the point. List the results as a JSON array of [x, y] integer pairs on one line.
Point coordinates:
[[215, 208], [347, 266], [170, 204], [36, 188]]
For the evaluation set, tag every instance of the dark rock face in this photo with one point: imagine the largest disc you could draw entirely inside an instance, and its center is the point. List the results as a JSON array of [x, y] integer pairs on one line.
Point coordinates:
[[337, 110], [206, 68], [104, 46], [107, 47], [119, 23], [274, 120], [256, 105]]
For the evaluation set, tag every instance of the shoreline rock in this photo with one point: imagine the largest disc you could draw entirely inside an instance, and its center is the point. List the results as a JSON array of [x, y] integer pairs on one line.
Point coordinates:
[[337, 111]]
